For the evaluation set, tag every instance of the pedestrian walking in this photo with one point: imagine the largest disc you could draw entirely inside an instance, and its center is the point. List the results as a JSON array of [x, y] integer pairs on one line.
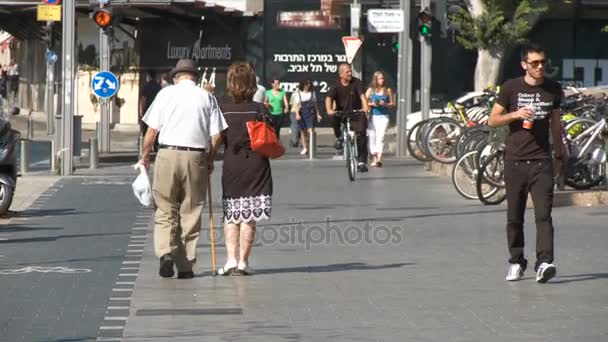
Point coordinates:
[[148, 94], [12, 85], [348, 95], [260, 93], [294, 126], [188, 118], [246, 176], [380, 99], [276, 102], [530, 106], [307, 114]]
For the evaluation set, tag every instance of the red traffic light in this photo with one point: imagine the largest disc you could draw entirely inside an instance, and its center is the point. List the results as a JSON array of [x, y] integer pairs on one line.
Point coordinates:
[[424, 17], [102, 17]]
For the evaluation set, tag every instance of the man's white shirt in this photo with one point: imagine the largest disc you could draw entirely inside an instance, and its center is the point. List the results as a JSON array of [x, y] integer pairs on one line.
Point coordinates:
[[185, 115]]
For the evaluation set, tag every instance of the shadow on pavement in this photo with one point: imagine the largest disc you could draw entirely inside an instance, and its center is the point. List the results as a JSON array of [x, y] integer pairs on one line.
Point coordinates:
[[355, 266], [55, 238], [17, 228], [579, 277], [47, 212]]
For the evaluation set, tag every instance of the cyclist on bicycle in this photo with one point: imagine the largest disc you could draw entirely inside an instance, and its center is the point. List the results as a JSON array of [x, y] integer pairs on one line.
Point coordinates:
[[348, 95]]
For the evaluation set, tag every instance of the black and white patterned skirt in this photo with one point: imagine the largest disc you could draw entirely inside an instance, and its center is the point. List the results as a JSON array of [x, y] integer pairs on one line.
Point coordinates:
[[247, 209]]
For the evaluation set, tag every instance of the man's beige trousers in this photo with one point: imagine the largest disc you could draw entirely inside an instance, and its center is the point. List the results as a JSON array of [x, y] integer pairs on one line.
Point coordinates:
[[179, 189]]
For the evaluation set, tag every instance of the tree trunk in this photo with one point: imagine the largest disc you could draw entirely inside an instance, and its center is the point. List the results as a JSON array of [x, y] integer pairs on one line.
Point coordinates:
[[487, 69]]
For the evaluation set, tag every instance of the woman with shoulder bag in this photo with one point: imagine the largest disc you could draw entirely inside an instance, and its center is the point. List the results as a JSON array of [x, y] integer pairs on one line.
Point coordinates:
[[246, 175]]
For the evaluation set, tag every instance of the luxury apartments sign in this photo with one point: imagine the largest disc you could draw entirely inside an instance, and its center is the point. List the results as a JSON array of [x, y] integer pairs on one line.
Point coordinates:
[[197, 52]]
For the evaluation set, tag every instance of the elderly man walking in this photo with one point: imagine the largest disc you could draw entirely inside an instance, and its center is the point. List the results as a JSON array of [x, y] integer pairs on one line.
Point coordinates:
[[188, 118]]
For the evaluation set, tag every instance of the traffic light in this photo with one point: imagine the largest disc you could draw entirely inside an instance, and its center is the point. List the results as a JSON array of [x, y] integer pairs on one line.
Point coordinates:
[[425, 23], [47, 34], [103, 18]]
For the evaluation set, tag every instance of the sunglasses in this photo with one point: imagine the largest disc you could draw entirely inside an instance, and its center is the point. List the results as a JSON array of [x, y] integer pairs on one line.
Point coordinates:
[[536, 64]]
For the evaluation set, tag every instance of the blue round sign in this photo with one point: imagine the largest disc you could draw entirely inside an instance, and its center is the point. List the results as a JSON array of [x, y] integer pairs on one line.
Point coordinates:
[[105, 84]]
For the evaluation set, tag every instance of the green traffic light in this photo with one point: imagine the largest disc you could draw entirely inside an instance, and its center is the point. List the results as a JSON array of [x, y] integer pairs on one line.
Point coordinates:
[[425, 30], [396, 45]]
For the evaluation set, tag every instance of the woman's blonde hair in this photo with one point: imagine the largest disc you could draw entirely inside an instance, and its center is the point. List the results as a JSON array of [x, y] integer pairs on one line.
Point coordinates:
[[374, 83], [241, 84]]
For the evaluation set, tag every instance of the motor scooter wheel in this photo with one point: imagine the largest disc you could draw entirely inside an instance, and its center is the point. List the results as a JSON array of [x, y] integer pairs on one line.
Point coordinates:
[[6, 198]]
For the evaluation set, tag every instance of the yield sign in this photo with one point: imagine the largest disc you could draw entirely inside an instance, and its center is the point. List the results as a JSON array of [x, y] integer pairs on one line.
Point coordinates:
[[351, 47]]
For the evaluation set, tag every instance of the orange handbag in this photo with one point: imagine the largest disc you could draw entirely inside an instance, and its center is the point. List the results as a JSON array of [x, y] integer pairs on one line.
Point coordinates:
[[264, 139]]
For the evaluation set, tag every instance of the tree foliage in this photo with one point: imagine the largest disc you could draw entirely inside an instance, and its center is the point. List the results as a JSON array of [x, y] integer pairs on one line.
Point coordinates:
[[503, 24]]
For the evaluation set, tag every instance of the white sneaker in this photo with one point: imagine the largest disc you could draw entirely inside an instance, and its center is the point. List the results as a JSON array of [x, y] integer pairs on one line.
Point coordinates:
[[545, 272], [304, 151], [516, 272]]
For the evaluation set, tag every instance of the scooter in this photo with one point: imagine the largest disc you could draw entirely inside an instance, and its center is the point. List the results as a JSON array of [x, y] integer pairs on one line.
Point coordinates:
[[8, 162]]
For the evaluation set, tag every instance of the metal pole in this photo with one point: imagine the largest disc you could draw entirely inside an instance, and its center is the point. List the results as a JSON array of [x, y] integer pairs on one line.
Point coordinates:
[[48, 103], [93, 153], [425, 70], [53, 157], [312, 144], [30, 129], [104, 56], [68, 87], [355, 12], [404, 63], [25, 157]]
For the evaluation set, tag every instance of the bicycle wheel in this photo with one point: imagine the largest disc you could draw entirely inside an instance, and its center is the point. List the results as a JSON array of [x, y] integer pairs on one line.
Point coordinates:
[[412, 145], [440, 140], [464, 175], [351, 163], [491, 189]]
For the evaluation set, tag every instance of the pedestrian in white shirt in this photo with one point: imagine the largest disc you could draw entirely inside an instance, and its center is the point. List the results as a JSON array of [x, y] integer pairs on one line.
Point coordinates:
[[188, 118]]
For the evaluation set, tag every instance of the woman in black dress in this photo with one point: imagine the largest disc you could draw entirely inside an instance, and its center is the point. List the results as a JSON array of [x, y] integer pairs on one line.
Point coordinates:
[[246, 176]]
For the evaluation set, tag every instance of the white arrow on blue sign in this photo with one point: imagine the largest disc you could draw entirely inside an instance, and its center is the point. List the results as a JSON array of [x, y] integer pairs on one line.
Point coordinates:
[[105, 84]]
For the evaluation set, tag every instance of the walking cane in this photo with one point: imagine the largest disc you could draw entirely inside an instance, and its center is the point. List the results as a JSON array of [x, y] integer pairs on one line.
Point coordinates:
[[212, 235]]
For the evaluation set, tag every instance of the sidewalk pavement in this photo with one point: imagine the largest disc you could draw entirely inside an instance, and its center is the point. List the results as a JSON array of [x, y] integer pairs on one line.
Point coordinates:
[[124, 137], [396, 255]]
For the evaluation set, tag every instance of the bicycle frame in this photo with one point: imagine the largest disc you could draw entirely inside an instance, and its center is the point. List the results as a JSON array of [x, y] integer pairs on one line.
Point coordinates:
[[592, 131]]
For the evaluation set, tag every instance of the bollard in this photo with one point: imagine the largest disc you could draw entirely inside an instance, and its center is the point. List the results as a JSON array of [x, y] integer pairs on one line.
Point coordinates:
[[98, 131], [30, 129], [53, 157], [25, 156], [312, 144], [93, 153]]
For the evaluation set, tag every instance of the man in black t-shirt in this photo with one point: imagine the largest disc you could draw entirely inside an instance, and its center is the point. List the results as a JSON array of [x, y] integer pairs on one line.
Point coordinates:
[[348, 95], [530, 106]]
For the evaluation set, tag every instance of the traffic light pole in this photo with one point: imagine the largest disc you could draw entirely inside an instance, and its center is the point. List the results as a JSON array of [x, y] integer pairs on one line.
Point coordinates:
[[404, 80], [104, 44], [355, 13], [49, 94], [426, 54], [67, 117]]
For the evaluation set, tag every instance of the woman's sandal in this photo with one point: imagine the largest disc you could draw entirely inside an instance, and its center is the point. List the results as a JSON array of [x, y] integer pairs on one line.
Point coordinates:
[[244, 271], [223, 271]]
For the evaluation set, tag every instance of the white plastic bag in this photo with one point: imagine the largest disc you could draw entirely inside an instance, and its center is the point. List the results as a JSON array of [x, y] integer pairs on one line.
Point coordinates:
[[141, 186]]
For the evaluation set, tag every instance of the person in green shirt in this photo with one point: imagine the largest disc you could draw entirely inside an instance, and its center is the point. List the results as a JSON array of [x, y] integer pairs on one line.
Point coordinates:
[[276, 102]]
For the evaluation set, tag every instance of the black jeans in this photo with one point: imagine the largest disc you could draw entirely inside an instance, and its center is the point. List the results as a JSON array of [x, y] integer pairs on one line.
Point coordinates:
[[277, 122], [359, 125], [534, 177]]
